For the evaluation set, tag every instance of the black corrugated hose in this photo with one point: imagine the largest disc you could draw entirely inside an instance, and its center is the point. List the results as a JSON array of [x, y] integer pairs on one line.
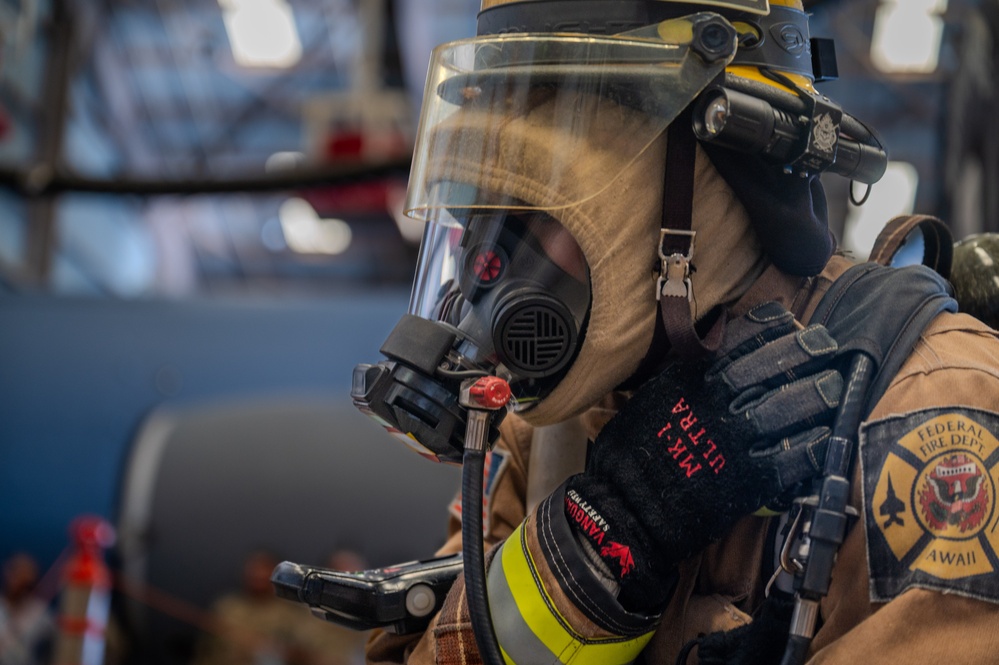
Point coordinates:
[[473, 553]]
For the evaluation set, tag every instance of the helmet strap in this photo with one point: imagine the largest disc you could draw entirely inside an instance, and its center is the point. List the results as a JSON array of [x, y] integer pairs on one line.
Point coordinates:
[[676, 245]]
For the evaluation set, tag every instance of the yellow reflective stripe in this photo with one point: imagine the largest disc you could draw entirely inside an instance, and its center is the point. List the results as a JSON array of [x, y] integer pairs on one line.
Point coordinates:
[[539, 613], [517, 640]]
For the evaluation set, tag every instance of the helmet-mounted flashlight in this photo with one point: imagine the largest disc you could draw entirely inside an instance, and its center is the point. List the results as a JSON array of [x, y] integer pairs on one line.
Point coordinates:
[[803, 143]]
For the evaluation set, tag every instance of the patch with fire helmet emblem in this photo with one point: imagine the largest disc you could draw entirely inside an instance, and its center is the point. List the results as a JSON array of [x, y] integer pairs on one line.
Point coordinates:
[[930, 482]]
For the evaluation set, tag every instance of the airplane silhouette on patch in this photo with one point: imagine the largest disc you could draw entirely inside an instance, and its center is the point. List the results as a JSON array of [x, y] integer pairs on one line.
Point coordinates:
[[892, 507]]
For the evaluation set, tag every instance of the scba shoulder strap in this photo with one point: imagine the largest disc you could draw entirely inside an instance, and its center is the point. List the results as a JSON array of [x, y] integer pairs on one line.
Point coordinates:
[[882, 311], [881, 307]]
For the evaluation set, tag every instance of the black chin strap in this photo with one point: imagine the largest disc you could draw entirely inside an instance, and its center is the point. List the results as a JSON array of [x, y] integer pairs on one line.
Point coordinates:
[[676, 245]]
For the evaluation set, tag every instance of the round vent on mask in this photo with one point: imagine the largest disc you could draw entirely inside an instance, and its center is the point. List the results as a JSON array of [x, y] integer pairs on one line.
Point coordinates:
[[534, 334]]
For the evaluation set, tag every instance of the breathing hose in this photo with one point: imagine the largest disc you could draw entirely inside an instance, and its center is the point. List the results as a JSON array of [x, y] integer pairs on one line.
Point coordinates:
[[480, 398], [474, 557]]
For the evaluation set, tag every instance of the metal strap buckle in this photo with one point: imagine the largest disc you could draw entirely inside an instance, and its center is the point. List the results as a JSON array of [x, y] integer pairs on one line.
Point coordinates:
[[674, 270], [797, 545]]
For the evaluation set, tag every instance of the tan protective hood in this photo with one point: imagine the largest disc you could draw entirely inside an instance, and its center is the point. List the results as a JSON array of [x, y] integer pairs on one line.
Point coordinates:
[[616, 224]]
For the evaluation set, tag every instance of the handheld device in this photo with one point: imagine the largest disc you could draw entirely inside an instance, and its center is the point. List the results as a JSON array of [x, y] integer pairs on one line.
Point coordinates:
[[401, 599]]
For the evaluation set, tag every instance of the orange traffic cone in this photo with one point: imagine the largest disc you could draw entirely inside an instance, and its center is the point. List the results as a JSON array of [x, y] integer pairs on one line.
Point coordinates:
[[86, 594]]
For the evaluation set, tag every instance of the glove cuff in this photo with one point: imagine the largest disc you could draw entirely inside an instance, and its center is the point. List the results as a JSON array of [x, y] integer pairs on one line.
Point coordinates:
[[599, 517]]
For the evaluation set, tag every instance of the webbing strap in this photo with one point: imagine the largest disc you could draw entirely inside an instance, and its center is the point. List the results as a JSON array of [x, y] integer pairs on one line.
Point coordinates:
[[676, 244], [789, 290], [937, 241]]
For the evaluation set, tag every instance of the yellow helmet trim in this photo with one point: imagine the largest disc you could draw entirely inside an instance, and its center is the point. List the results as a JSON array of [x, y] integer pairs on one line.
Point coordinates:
[[753, 73]]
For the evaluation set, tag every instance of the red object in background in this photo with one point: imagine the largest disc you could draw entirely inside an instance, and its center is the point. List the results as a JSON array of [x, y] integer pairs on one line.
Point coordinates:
[[6, 124], [359, 198], [344, 144], [85, 600], [353, 199]]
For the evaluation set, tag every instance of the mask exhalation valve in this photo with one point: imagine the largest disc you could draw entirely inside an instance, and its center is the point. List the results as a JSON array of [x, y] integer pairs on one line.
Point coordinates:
[[534, 335]]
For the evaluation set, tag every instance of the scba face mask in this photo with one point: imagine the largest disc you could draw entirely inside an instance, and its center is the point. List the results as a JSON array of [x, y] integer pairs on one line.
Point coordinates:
[[515, 287], [503, 295]]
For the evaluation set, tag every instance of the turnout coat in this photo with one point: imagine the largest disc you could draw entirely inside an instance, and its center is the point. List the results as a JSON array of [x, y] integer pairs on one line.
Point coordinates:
[[916, 580]]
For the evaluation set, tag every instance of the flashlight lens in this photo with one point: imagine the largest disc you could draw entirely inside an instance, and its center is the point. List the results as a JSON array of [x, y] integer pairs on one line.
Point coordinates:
[[716, 115]]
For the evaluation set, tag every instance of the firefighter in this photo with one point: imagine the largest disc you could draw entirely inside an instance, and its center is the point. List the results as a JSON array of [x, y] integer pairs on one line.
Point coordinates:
[[625, 221]]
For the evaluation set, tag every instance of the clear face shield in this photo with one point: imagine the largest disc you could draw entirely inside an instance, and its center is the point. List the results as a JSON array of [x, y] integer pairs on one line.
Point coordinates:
[[504, 155], [563, 86]]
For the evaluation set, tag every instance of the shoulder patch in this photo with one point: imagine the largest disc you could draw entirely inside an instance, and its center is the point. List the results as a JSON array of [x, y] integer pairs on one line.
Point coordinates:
[[930, 480], [495, 464]]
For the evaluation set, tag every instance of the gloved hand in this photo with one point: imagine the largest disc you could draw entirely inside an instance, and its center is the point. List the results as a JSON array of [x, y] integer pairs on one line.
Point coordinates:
[[703, 444]]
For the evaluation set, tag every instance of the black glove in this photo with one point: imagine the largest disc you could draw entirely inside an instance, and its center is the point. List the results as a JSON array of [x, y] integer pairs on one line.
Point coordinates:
[[703, 444]]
